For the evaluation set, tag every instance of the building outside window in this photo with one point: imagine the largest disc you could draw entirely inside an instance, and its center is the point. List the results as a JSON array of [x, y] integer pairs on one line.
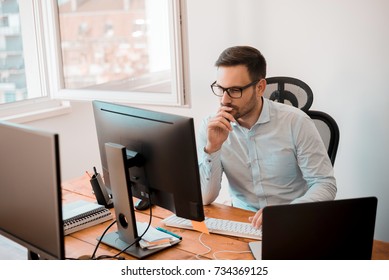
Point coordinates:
[[116, 50], [12, 69], [119, 45]]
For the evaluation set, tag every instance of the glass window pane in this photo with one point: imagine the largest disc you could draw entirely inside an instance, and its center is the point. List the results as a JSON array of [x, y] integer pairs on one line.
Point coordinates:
[[116, 45], [12, 69]]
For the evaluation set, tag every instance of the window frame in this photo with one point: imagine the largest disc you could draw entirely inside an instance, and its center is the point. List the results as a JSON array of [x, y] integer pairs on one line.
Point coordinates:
[[55, 98], [178, 82], [42, 105]]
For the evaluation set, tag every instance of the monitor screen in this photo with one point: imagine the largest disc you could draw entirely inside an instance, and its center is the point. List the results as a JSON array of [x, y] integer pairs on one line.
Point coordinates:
[[30, 198], [166, 143]]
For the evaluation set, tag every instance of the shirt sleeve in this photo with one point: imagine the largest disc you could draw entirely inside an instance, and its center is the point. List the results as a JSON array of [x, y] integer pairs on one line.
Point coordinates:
[[210, 167], [314, 163]]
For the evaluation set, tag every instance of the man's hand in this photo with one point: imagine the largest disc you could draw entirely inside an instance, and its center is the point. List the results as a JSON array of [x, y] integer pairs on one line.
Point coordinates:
[[218, 129], [256, 220]]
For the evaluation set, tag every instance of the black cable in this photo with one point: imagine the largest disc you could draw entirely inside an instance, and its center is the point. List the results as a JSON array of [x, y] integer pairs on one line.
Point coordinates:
[[101, 238], [116, 256]]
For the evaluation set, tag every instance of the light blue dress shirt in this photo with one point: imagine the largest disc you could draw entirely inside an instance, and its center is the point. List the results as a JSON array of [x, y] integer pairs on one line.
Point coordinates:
[[280, 160]]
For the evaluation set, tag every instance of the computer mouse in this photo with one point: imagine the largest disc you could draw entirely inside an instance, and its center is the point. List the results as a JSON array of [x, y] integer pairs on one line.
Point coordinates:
[[142, 205]]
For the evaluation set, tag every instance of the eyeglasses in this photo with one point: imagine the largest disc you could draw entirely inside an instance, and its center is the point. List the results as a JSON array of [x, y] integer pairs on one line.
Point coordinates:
[[233, 92]]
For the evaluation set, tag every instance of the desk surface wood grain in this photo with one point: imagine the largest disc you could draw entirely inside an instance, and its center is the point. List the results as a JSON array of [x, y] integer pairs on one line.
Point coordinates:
[[222, 247]]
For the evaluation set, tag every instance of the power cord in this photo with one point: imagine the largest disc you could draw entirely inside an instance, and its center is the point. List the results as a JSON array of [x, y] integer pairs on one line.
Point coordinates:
[[214, 255], [117, 256], [200, 256], [136, 241], [101, 238], [92, 257]]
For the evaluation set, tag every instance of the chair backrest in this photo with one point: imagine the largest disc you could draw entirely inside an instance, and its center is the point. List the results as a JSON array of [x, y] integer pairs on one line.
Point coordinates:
[[290, 91], [329, 131], [297, 93]]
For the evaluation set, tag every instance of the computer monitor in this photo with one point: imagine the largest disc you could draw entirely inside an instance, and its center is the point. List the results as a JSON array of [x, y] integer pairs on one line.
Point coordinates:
[[30, 191], [157, 152]]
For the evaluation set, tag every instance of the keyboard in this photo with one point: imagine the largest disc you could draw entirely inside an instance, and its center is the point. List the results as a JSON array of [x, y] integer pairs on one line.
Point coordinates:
[[218, 226]]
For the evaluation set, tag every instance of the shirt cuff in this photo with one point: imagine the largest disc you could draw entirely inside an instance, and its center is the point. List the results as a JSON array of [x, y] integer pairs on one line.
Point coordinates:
[[209, 158]]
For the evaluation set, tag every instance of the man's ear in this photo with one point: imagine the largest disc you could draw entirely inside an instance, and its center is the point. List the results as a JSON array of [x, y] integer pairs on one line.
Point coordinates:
[[261, 86]]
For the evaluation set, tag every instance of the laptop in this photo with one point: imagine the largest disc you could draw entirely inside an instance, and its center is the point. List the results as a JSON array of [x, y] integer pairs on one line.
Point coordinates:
[[326, 230]]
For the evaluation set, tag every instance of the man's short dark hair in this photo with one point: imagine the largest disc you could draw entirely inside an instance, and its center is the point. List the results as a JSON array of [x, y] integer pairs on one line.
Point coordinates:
[[244, 55]]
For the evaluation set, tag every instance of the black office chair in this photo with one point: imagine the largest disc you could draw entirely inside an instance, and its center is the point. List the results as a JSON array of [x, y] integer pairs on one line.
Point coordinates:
[[329, 131], [290, 91], [297, 93]]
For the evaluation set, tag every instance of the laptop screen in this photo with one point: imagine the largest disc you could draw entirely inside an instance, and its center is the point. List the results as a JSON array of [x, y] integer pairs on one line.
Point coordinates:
[[326, 230]]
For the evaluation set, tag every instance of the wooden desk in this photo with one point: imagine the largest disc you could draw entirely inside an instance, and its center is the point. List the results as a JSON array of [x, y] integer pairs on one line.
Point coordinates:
[[84, 242]]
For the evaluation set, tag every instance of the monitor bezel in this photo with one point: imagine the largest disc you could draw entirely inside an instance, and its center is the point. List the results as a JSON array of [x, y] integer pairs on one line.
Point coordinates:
[[103, 123]]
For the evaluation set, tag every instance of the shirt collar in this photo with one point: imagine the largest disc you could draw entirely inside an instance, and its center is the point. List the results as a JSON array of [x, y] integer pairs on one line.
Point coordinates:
[[264, 117]]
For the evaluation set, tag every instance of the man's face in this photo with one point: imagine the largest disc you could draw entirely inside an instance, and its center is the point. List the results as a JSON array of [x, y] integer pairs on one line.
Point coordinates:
[[237, 77]]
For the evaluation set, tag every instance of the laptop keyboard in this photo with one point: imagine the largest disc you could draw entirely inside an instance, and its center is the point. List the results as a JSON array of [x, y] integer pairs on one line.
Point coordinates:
[[218, 226]]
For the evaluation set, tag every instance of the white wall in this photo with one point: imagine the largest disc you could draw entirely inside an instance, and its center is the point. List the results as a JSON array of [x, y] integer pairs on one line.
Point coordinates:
[[338, 47]]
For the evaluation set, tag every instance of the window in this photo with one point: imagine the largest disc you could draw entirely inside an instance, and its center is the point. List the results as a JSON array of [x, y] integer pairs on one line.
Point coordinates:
[[15, 61], [121, 50], [24, 90], [117, 50]]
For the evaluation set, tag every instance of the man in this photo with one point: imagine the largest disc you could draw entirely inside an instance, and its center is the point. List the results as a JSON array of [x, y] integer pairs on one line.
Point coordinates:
[[271, 153]]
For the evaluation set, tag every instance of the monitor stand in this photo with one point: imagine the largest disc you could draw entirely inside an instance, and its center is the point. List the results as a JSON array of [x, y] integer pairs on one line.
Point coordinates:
[[127, 233]]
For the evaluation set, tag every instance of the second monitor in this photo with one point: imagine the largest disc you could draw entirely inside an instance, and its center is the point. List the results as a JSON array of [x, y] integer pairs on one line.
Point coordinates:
[[159, 151]]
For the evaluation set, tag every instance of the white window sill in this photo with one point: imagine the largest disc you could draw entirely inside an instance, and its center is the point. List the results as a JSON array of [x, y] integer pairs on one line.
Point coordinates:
[[35, 111]]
